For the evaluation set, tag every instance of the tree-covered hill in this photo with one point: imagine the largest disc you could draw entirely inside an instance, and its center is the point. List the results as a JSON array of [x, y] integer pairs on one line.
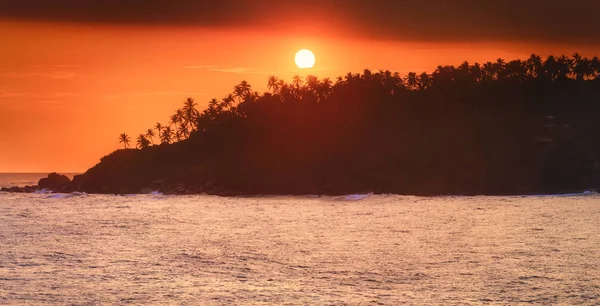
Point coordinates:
[[523, 126]]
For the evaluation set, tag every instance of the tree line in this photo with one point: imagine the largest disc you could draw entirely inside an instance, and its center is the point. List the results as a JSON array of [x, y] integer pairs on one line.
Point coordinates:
[[187, 120]]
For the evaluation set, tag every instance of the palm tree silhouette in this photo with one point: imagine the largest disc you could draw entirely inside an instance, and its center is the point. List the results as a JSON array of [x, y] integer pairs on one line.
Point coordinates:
[[534, 66], [177, 118], [183, 131], [324, 89], [462, 72], [124, 138], [142, 141], [581, 66], [499, 66], [551, 67], [564, 65], [516, 70], [297, 81], [242, 90], [489, 71], [227, 102], [190, 113], [424, 81], [476, 73], [312, 82], [273, 84], [412, 81], [166, 136], [158, 128], [174, 119], [214, 105], [595, 66], [150, 134]]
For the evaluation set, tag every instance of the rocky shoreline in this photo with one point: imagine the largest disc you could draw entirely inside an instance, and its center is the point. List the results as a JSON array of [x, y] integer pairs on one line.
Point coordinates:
[[19, 189], [57, 183]]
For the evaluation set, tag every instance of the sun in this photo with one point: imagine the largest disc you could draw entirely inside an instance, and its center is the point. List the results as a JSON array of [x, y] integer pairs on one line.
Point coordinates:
[[305, 59]]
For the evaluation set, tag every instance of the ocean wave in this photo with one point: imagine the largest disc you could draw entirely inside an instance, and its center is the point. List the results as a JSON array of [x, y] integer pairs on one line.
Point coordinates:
[[66, 195], [354, 197]]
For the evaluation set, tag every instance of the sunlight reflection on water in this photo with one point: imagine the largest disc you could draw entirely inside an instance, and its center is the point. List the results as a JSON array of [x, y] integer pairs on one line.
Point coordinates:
[[150, 249]]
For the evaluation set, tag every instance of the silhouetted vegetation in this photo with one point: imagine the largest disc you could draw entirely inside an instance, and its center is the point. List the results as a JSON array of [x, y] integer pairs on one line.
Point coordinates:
[[500, 127], [124, 138]]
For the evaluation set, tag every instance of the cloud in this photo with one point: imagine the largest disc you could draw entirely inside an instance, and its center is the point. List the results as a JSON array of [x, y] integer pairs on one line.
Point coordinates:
[[550, 21], [67, 94], [152, 93], [12, 95], [57, 75], [200, 67], [240, 70], [54, 66]]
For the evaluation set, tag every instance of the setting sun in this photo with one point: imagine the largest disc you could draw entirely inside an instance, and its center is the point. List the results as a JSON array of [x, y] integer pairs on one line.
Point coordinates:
[[305, 59]]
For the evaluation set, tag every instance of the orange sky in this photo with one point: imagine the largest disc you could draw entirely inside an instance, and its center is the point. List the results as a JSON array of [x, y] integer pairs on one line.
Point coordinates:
[[68, 90]]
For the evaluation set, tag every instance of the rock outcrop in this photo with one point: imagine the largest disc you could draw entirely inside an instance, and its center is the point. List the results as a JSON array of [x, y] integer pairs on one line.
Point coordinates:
[[56, 182]]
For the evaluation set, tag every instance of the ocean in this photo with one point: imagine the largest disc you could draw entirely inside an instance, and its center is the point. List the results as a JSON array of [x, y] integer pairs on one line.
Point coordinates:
[[375, 249], [22, 179]]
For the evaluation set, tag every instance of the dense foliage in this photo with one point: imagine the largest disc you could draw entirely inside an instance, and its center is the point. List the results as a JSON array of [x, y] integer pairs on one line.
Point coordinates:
[[501, 127]]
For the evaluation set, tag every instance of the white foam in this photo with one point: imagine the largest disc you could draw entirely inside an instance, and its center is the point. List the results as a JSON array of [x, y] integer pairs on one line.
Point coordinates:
[[356, 197], [66, 195]]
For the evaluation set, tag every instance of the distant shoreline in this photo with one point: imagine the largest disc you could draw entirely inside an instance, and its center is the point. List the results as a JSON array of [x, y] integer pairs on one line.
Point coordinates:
[[21, 179]]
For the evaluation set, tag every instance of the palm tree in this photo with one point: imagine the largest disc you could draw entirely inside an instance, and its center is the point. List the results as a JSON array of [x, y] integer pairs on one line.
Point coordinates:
[[564, 65], [581, 66], [412, 81], [227, 102], [534, 66], [423, 81], [213, 105], [158, 128], [324, 88], [142, 141], [489, 71], [189, 112], [124, 138], [183, 131], [595, 67], [476, 72], [392, 82], [175, 119], [297, 81], [273, 84], [242, 90], [312, 82], [551, 67], [180, 116], [444, 75], [166, 136], [150, 134], [462, 72], [516, 70], [500, 66]]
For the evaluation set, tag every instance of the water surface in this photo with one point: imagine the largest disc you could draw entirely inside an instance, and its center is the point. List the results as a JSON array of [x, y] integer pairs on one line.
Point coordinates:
[[152, 249]]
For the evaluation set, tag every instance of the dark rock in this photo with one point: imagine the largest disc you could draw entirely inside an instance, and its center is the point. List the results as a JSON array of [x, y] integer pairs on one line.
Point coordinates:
[[25, 189], [56, 182]]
